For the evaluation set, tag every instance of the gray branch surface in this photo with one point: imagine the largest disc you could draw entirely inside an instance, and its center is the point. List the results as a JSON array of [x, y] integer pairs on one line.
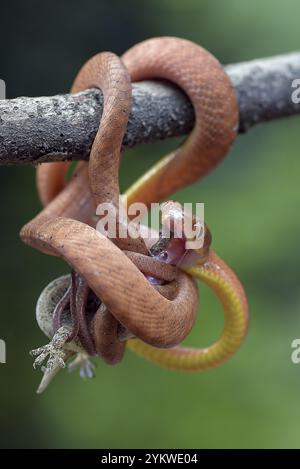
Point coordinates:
[[63, 127]]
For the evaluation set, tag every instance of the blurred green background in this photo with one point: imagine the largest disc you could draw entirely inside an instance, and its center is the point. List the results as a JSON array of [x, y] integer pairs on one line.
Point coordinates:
[[251, 205]]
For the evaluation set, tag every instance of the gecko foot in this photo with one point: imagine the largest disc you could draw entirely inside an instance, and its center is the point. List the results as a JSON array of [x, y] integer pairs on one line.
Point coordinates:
[[54, 350], [86, 366]]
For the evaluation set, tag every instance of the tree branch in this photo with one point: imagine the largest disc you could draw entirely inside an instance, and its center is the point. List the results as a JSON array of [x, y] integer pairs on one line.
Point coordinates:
[[63, 127]]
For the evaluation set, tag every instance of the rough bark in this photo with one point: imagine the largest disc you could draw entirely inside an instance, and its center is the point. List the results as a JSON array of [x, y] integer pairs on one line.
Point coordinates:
[[63, 127]]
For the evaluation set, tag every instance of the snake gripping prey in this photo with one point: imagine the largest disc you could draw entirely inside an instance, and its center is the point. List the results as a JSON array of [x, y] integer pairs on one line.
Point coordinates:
[[129, 292]]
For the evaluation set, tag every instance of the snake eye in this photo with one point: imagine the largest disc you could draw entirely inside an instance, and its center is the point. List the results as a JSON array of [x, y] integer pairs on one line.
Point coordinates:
[[163, 256]]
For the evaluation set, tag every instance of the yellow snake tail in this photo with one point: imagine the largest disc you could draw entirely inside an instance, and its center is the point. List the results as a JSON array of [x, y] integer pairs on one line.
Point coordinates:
[[217, 275]]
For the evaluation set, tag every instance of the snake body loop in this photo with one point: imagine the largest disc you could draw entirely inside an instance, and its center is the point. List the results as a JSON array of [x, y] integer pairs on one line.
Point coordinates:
[[147, 313], [202, 78], [160, 321]]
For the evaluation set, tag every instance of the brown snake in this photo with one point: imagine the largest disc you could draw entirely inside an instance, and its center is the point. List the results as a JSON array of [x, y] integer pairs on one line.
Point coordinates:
[[159, 315]]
